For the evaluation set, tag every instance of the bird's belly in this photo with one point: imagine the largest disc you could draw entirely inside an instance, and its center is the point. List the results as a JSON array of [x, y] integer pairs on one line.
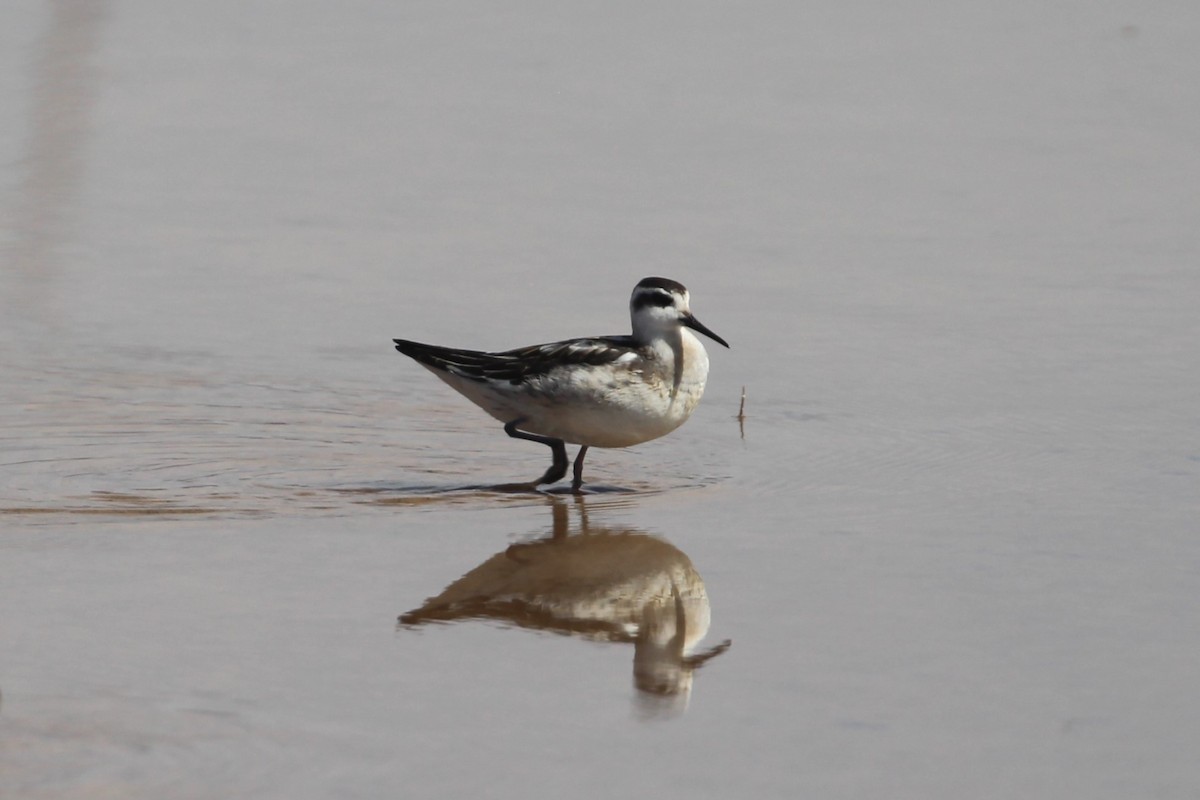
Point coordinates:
[[615, 417], [597, 408]]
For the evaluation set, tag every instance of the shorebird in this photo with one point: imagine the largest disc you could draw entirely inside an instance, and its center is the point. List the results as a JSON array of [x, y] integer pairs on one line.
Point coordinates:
[[604, 391]]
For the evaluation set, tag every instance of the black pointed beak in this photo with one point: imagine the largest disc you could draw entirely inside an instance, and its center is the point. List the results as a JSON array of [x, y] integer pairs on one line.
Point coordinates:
[[697, 325]]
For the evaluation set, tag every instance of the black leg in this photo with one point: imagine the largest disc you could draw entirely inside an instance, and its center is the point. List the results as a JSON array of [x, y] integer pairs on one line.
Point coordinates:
[[578, 473], [559, 448]]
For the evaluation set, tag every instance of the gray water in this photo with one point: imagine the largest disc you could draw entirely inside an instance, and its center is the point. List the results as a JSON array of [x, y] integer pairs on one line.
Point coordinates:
[[952, 545]]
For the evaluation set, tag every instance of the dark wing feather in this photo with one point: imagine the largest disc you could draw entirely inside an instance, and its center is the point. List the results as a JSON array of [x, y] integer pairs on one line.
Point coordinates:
[[517, 366]]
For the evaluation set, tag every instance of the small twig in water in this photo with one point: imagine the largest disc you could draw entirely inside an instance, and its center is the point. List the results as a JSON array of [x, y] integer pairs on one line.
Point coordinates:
[[741, 417]]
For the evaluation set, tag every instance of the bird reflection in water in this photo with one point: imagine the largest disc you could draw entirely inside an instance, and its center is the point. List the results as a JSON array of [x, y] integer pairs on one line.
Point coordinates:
[[601, 583]]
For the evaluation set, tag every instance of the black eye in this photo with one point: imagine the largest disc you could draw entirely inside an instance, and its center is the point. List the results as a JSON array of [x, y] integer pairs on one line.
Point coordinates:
[[659, 299]]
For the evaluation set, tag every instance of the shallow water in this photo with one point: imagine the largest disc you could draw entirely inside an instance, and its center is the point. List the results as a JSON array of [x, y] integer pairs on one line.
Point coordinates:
[[953, 543]]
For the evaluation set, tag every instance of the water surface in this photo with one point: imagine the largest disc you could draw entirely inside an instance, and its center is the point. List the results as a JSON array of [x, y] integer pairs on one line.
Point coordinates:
[[953, 543]]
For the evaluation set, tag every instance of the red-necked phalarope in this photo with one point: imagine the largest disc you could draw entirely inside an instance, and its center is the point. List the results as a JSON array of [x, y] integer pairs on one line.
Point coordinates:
[[607, 391]]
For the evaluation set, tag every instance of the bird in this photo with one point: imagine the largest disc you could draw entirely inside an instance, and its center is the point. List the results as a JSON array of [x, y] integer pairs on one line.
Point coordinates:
[[601, 391]]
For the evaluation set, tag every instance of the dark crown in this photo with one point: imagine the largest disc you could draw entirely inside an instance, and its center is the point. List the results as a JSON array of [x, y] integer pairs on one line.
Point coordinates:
[[661, 283]]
